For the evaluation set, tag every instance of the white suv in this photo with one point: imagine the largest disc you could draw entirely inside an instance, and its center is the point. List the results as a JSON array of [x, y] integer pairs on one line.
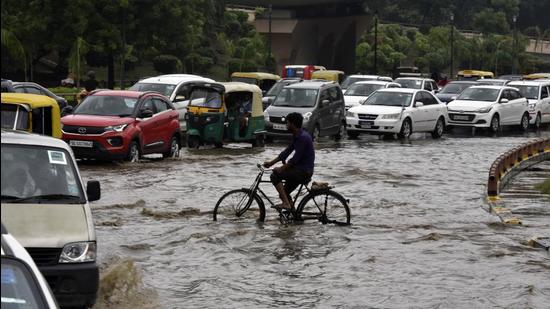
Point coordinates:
[[174, 86], [399, 111], [538, 94], [489, 107]]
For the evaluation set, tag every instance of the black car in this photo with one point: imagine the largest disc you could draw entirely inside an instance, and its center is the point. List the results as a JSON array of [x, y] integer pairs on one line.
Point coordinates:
[[453, 89], [34, 88]]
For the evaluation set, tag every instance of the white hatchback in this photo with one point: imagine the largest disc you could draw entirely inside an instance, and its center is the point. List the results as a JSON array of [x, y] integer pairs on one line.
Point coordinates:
[[538, 95], [401, 111], [489, 107], [360, 91]]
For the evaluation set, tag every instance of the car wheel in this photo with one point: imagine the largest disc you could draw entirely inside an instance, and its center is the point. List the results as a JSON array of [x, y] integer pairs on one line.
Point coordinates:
[[524, 124], [406, 129], [538, 122], [259, 141], [495, 124], [341, 132], [316, 133], [174, 150], [353, 134], [193, 142], [133, 153], [439, 128]]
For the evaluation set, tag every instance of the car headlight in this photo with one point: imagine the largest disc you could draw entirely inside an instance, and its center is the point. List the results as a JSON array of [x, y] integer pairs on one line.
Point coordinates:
[[532, 107], [78, 252], [266, 116], [484, 110], [452, 110], [306, 116], [351, 114], [391, 116], [118, 128]]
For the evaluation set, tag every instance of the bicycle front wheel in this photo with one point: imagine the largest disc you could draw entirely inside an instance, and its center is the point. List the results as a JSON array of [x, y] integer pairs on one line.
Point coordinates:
[[325, 206], [239, 205]]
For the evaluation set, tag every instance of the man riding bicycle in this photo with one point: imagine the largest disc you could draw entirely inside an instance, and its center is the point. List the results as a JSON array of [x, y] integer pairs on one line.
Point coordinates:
[[299, 168]]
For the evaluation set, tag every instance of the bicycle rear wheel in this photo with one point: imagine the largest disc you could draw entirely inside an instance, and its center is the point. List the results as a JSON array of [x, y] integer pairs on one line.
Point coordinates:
[[325, 206], [238, 205]]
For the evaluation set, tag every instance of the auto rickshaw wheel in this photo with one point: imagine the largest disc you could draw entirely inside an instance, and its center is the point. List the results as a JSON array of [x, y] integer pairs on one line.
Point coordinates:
[[193, 142], [259, 141]]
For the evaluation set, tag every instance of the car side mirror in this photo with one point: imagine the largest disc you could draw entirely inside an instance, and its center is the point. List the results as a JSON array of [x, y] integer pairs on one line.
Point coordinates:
[[146, 113], [418, 104], [325, 102], [67, 110], [504, 100], [93, 190], [179, 98], [436, 90]]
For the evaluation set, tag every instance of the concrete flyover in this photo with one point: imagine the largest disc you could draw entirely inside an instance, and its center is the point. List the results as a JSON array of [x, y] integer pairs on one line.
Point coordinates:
[[504, 169]]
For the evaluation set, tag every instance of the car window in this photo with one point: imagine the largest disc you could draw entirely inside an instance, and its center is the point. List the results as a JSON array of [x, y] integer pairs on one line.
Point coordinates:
[[409, 83], [160, 105], [106, 105], [514, 94], [19, 89], [428, 99], [19, 287], [530, 92], [427, 86], [434, 85], [148, 105], [33, 90], [418, 98], [183, 91], [544, 92], [334, 94]]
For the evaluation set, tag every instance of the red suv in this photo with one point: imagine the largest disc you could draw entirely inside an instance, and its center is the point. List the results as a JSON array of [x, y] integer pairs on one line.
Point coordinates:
[[118, 124]]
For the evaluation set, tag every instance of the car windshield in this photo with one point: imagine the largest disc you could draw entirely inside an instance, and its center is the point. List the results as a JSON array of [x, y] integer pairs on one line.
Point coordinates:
[[19, 286], [205, 97], [389, 99], [530, 92], [164, 89], [492, 82], [352, 80], [409, 83], [363, 90], [274, 91], [105, 105], [293, 97], [15, 116], [479, 94], [455, 88], [38, 174]]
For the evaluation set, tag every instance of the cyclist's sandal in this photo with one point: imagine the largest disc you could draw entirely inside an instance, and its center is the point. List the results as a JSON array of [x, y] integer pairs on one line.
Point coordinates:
[[280, 207]]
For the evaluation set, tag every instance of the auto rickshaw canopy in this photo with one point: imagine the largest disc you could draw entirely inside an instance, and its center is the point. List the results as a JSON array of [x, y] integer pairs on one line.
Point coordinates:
[[330, 75], [474, 74], [44, 113], [257, 108], [256, 75], [536, 76]]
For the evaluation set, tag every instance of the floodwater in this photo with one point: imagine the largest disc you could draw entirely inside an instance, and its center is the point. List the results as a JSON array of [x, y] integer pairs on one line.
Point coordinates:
[[421, 236]]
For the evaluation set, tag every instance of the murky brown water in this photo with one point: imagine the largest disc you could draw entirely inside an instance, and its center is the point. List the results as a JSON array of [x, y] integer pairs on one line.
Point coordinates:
[[420, 236]]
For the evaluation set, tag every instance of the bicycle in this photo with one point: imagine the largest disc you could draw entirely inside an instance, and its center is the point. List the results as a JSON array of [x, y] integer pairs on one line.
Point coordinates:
[[322, 204]]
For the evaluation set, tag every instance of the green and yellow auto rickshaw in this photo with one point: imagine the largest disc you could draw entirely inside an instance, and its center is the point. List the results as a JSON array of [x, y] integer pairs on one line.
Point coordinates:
[[329, 75], [225, 112], [261, 79], [32, 113]]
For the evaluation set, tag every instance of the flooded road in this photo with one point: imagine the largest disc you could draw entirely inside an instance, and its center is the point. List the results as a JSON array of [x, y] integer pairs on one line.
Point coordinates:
[[420, 237]]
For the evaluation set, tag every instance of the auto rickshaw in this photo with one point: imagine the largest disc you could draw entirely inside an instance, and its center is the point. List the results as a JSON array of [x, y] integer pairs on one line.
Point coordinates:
[[32, 113], [474, 75], [225, 112], [329, 75], [535, 76], [263, 80]]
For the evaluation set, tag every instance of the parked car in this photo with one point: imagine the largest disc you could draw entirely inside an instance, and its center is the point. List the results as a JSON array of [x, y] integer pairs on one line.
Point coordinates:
[[352, 79], [427, 84], [261, 79], [34, 88], [46, 207], [538, 95], [123, 125], [489, 107], [450, 91], [174, 86], [512, 77], [360, 91], [272, 93], [493, 81], [400, 111], [321, 103], [23, 286], [32, 113]]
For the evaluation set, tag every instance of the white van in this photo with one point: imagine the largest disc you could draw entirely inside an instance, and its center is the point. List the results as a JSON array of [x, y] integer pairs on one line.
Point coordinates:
[[538, 94], [45, 206]]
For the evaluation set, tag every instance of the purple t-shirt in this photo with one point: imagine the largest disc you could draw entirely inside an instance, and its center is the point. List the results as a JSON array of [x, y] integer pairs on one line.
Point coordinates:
[[304, 153]]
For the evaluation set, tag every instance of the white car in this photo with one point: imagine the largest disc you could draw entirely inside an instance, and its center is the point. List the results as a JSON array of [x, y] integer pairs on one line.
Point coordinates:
[[489, 107], [174, 86], [427, 84], [352, 79], [398, 111], [360, 91], [538, 95], [23, 286]]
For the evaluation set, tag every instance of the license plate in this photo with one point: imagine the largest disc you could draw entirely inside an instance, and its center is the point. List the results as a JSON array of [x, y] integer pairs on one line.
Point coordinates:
[[279, 126], [366, 126], [461, 117], [87, 144]]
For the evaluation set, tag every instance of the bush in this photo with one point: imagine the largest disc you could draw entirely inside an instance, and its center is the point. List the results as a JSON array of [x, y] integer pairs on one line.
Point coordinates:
[[167, 64]]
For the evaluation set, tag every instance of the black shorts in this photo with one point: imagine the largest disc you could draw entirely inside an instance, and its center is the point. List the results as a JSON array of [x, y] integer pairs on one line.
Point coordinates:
[[293, 177]]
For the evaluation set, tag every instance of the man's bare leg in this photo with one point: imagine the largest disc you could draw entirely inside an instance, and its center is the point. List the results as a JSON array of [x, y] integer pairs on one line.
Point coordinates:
[[282, 195]]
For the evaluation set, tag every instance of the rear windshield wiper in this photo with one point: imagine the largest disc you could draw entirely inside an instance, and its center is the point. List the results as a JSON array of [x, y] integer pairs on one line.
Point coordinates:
[[47, 197]]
